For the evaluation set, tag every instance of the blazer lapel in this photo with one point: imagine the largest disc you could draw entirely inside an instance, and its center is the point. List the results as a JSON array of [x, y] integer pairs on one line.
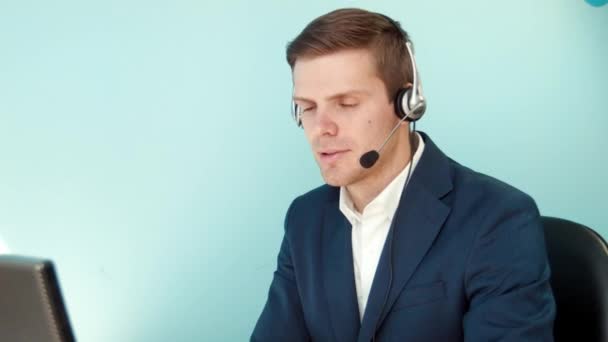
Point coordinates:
[[338, 275], [418, 220]]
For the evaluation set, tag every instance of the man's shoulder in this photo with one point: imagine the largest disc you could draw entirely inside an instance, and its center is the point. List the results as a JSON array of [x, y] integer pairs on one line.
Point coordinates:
[[483, 188], [466, 183]]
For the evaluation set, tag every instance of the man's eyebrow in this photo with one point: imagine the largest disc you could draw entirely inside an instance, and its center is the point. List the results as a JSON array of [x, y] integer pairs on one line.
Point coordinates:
[[335, 96], [299, 98]]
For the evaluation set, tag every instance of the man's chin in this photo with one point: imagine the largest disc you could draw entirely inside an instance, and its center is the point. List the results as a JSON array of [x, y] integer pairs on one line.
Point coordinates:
[[333, 183], [334, 179]]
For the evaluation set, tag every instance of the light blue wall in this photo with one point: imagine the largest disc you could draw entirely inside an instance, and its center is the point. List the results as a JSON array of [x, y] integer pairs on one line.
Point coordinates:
[[147, 146]]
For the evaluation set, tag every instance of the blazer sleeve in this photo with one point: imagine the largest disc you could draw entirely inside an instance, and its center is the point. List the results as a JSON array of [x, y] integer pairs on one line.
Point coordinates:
[[282, 318], [507, 276]]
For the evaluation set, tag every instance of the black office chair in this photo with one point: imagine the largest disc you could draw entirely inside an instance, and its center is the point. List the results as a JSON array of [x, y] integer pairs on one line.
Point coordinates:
[[579, 265]]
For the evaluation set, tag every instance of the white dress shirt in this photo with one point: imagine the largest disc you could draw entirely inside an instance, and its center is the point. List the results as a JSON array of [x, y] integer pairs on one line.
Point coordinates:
[[370, 228]]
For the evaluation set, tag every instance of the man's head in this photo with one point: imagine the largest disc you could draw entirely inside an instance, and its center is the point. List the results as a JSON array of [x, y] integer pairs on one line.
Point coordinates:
[[348, 65]]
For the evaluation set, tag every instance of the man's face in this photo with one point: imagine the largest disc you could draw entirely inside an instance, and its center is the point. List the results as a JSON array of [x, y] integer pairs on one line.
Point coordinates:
[[345, 112]]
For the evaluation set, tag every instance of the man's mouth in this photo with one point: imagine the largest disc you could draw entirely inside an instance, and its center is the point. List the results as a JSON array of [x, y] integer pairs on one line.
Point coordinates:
[[330, 156]]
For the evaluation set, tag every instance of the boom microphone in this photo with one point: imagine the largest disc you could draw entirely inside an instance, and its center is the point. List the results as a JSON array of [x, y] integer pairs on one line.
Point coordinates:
[[369, 158]]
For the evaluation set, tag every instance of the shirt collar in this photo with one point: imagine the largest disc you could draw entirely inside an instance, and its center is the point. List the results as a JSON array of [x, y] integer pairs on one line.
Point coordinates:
[[387, 201]]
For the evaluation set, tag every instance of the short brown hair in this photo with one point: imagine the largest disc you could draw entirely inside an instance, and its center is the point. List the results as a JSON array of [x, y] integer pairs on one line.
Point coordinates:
[[353, 28]]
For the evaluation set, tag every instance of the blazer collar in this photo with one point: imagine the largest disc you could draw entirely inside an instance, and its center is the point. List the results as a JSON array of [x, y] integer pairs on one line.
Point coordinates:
[[413, 230]]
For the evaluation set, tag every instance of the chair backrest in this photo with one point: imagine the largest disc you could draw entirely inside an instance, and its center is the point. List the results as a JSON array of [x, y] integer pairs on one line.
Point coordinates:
[[579, 265]]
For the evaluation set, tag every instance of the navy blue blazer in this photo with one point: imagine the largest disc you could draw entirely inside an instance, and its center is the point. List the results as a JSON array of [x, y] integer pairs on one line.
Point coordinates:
[[468, 264]]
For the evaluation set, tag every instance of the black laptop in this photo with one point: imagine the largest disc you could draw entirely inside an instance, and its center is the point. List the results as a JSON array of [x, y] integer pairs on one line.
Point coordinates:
[[31, 305]]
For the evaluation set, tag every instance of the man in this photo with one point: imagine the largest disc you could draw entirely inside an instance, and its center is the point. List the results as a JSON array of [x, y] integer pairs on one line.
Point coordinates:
[[410, 246]]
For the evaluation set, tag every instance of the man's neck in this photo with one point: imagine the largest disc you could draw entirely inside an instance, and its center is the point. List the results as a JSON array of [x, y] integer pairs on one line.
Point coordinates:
[[364, 191]]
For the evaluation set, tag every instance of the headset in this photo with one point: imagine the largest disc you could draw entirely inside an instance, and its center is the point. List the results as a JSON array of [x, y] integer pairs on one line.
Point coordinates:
[[410, 103]]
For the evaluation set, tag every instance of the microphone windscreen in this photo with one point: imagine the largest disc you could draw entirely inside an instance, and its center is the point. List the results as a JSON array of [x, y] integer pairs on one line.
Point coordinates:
[[369, 159]]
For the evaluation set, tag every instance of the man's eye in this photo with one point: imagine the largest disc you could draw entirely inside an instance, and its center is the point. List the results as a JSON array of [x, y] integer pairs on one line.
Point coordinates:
[[347, 105], [307, 109]]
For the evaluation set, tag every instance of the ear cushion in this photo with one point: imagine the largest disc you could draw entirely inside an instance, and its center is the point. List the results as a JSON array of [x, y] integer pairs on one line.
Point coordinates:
[[294, 114], [401, 102]]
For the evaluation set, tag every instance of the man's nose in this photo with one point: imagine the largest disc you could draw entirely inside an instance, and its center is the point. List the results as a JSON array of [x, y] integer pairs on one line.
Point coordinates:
[[326, 125]]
